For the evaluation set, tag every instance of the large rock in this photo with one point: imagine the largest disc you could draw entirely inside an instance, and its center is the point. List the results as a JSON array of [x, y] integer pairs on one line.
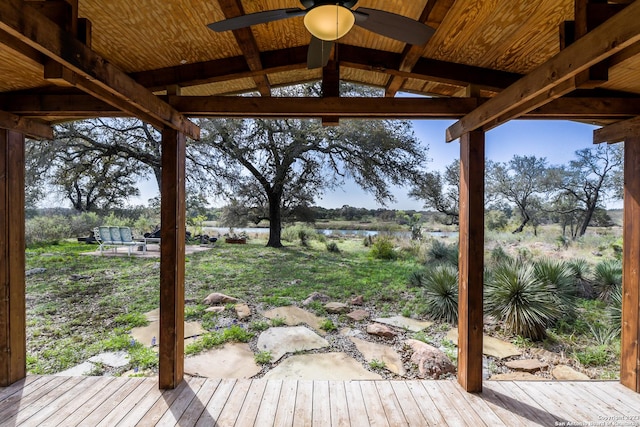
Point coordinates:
[[336, 307], [294, 316], [315, 296], [218, 298], [322, 366], [243, 311], [230, 361], [84, 368], [117, 359], [490, 346], [282, 340], [526, 365], [432, 362], [382, 353], [148, 335], [381, 330], [402, 322], [567, 373], [358, 315]]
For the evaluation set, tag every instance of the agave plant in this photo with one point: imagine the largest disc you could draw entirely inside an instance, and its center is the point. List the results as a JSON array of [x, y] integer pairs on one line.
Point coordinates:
[[499, 255], [515, 295], [558, 280], [615, 309], [441, 292], [581, 269], [607, 277], [442, 252]]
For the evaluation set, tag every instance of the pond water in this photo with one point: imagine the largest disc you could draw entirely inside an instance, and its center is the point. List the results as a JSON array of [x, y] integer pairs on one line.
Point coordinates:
[[328, 232]]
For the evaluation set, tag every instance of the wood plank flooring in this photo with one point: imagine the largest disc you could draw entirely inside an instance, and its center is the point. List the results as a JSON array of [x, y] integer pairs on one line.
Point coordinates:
[[107, 401]]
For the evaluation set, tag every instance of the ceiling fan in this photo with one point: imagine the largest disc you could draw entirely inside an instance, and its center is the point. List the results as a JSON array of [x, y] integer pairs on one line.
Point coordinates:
[[328, 20]]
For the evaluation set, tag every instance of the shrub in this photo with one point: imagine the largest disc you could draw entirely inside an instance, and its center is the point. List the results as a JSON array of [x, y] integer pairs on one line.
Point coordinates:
[[607, 277], [441, 292], [333, 247], [516, 296], [263, 357], [328, 325], [442, 252], [46, 229], [499, 255], [302, 233], [496, 220], [593, 356], [383, 248]]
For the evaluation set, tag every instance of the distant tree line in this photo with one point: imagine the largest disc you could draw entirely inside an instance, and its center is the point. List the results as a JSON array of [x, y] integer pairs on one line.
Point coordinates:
[[573, 195]]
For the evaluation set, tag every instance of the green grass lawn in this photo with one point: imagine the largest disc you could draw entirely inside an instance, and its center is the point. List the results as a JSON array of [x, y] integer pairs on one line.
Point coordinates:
[[83, 305]]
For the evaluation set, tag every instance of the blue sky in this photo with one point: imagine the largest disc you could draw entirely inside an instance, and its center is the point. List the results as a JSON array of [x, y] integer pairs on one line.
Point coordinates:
[[555, 140]]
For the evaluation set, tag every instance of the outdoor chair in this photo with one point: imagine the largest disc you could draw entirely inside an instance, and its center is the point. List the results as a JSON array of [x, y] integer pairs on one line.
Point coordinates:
[[111, 236]]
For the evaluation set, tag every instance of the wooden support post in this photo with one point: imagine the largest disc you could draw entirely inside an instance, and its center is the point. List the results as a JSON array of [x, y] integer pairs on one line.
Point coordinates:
[[13, 342], [171, 340], [629, 351], [471, 261]]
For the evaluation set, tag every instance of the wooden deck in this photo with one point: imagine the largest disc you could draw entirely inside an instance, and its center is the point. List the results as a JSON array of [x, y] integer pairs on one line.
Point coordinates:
[[108, 401]]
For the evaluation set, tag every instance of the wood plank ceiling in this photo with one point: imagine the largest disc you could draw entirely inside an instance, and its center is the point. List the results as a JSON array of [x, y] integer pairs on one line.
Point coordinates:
[[486, 45]]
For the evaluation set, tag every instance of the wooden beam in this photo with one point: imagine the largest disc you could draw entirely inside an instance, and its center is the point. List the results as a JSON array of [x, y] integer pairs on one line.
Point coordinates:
[[224, 106], [616, 132], [172, 259], [13, 342], [247, 44], [30, 127], [432, 14], [35, 30], [331, 88], [471, 261], [629, 350], [615, 34]]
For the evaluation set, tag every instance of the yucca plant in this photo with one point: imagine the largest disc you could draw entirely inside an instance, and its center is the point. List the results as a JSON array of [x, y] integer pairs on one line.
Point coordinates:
[[580, 270], [499, 255], [521, 300], [615, 309], [441, 292], [416, 279], [607, 276], [559, 283], [442, 252]]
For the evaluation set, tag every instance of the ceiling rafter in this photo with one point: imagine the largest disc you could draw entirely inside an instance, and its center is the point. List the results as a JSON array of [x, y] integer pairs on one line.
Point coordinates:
[[350, 56], [29, 27], [433, 14], [614, 35], [617, 132], [247, 44]]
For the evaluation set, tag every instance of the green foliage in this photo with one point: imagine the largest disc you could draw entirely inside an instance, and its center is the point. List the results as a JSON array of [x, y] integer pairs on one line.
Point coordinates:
[[496, 220], [525, 303], [328, 325], [234, 333], [46, 229], [593, 356], [607, 276], [422, 336], [498, 255], [333, 247], [382, 248], [614, 310], [377, 364], [580, 269], [558, 281], [143, 357], [263, 357], [258, 326], [302, 233], [131, 320], [440, 287], [278, 321], [441, 252]]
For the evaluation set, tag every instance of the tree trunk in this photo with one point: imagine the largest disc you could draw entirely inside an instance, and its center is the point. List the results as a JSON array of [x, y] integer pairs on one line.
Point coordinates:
[[587, 219], [275, 220], [525, 220]]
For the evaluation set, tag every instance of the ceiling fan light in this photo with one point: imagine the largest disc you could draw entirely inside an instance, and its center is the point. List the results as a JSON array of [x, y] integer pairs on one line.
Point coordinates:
[[329, 22]]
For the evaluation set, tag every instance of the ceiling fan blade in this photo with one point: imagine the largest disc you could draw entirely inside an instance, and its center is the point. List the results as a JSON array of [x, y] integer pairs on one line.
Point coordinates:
[[394, 26], [255, 18], [319, 53]]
